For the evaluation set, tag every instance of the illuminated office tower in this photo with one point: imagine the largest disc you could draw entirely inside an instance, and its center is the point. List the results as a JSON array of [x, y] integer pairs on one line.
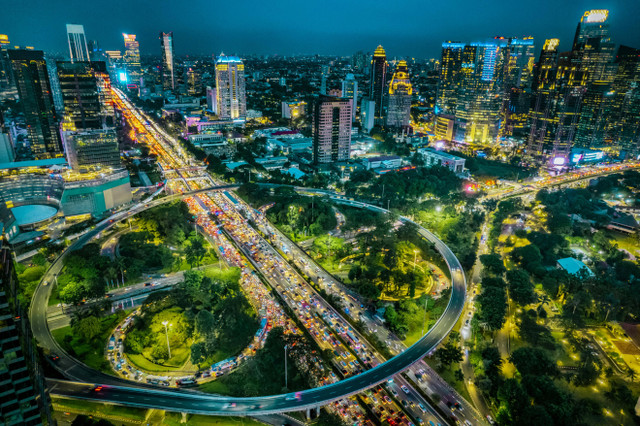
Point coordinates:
[[623, 124], [168, 65], [230, 87], [6, 76], [518, 75], [132, 57], [400, 91], [450, 75], [593, 116], [592, 49], [194, 82], [543, 119], [78, 50], [34, 89], [571, 88], [378, 82], [481, 92], [521, 59], [331, 129], [96, 147], [293, 110], [86, 94], [350, 90], [544, 71]]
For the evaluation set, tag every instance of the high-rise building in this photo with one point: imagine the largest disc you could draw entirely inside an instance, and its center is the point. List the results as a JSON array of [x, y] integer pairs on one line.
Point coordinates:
[[230, 87], [350, 90], [450, 76], [400, 91], [78, 50], [592, 49], [95, 51], [194, 82], [132, 57], [557, 99], [34, 88], [18, 396], [331, 129], [86, 94], [378, 82], [92, 148], [6, 76], [212, 100], [367, 114], [623, 124], [517, 82], [359, 61], [168, 64], [325, 70]]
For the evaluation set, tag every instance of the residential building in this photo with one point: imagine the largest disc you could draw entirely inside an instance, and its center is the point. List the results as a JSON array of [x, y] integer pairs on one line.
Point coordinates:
[[331, 129], [293, 109]]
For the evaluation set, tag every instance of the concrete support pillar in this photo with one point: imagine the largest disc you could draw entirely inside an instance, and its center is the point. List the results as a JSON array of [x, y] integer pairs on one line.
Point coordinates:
[[308, 413], [184, 418]]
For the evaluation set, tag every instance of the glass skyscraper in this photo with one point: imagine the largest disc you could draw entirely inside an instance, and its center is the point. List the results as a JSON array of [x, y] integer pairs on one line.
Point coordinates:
[[168, 64]]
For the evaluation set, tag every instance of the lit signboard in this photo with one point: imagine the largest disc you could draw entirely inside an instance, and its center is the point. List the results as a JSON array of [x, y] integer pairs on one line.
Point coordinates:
[[122, 76], [559, 161]]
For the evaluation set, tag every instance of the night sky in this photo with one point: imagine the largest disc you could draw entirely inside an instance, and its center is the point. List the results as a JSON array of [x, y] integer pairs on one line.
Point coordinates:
[[285, 27]]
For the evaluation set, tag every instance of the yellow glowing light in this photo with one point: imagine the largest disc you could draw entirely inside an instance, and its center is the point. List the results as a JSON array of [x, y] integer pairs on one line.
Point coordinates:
[[596, 15], [379, 52], [551, 44]]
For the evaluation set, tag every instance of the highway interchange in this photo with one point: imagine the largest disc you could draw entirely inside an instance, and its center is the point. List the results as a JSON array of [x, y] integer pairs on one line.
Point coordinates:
[[360, 365], [310, 398]]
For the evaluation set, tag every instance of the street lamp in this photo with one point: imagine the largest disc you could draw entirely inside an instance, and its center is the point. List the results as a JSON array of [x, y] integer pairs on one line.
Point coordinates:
[[166, 331]]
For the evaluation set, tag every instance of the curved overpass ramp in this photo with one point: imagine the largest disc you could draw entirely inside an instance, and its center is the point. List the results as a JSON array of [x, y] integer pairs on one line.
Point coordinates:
[[139, 395]]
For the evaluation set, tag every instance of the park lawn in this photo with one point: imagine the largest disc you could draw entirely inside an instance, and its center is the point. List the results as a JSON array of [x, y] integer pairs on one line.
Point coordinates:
[[174, 419], [214, 386], [435, 308], [90, 353], [625, 242], [144, 364], [563, 353], [99, 410]]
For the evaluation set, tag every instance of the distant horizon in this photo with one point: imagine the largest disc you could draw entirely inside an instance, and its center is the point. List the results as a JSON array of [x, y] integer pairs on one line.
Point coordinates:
[[284, 29]]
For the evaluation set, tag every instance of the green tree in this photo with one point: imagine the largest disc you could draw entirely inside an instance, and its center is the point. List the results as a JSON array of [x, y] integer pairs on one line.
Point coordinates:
[[520, 286], [533, 361], [493, 263], [195, 250], [88, 328], [493, 307], [449, 354]]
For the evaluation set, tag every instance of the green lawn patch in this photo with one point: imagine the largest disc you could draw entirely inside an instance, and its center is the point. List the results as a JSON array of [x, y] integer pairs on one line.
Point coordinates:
[[98, 410], [215, 386]]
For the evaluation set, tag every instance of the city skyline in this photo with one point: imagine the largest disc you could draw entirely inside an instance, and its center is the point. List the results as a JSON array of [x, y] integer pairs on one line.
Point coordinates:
[[420, 34]]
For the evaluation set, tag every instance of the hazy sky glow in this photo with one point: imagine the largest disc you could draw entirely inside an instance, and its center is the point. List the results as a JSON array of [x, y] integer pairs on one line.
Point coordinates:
[[329, 27]]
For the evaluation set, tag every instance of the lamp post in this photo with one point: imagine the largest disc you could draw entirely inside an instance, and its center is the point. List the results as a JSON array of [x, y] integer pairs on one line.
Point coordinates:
[[166, 331]]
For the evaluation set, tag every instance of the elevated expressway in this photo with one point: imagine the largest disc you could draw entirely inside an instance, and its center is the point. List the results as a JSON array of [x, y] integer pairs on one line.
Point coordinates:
[[123, 392]]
